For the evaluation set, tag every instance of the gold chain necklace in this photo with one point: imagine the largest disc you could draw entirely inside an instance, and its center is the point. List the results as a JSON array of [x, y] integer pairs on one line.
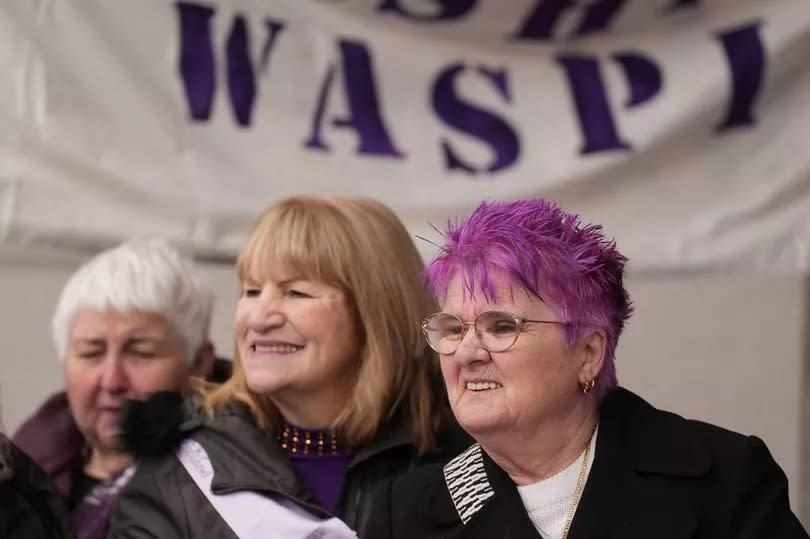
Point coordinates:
[[578, 490]]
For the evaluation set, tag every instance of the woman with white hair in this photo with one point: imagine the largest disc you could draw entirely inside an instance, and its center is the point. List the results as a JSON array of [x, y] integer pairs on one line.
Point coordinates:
[[132, 321]]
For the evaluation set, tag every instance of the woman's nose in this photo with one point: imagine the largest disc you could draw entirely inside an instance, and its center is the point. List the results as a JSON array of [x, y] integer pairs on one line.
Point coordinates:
[[113, 375], [267, 313], [470, 349]]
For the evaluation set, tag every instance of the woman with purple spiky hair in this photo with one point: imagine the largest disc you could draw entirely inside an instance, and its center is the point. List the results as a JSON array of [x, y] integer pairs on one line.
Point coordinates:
[[561, 451]]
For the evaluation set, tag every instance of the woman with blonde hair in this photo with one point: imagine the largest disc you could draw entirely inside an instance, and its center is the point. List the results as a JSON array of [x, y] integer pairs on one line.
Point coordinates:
[[333, 387]]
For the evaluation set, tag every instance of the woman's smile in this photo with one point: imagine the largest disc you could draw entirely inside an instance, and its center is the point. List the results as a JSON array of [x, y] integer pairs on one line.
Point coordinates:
[[482, 386], [264, 348]]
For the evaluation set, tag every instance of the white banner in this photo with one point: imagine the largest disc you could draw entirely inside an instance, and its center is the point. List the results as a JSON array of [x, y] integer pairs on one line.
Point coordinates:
[[681, 125]]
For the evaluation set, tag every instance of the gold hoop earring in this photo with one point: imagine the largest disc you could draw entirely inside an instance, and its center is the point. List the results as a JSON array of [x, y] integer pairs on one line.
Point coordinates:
[[588, 386]]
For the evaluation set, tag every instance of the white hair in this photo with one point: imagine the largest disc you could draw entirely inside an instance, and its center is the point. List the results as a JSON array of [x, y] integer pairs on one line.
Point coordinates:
[[145, 275]]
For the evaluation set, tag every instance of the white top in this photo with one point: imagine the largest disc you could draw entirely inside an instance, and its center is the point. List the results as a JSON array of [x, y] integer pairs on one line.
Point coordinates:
[[547, 501]]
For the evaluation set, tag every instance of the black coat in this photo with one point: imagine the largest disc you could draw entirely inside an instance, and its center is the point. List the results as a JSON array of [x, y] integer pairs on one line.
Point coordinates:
[[162, 501], [30, 506], [654, 475]]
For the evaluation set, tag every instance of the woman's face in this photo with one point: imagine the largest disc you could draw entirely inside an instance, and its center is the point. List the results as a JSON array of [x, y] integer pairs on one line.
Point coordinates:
[[111, 357], [536, 381], [298, 342]]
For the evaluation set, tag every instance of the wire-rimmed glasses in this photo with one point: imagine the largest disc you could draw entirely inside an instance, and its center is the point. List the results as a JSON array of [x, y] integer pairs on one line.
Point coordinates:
[[496, 330]]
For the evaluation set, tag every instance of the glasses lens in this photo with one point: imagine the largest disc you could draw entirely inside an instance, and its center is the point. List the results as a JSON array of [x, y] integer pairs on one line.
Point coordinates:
[[443, 332], [498, 330]]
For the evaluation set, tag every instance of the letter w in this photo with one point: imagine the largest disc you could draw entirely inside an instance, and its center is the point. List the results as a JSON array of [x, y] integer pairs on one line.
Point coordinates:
[[197, 65]]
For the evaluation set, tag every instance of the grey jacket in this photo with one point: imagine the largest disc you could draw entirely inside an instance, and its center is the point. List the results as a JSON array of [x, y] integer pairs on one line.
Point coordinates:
[[162, 501]]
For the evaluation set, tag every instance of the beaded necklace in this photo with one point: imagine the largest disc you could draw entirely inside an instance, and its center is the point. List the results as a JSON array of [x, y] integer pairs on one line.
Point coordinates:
[[298, 441]]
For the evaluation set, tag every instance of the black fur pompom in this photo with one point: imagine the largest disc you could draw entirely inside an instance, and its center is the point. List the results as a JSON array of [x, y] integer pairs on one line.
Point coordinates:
[[152, 427]]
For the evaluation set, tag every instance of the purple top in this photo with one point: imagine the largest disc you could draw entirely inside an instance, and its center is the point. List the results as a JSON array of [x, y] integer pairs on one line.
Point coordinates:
[[319, 460], [324, 475]]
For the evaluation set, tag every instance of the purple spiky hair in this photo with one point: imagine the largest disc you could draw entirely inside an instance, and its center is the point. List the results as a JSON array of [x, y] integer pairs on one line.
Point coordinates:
[[547, 251]]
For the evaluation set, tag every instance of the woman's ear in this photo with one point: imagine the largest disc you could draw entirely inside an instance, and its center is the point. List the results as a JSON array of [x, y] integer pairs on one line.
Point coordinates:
[[203, 361], [593, 348]]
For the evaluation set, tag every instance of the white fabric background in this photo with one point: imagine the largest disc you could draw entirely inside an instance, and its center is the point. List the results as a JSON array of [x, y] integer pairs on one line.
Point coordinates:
[[96, 142]]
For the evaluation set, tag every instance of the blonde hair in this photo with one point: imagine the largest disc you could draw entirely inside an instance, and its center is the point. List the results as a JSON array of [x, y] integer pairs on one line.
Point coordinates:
[[361, 247]]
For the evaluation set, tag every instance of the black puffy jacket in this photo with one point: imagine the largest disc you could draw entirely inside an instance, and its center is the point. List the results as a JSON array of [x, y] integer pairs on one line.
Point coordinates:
[[162, 501]]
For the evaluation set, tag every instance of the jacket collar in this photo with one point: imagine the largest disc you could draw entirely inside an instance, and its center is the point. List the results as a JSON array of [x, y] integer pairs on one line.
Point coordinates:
[[468, 482], [246, 457], [483, 499], [634, 438]]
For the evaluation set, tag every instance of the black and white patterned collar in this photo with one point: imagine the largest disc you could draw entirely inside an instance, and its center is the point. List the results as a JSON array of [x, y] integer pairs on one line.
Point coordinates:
[[467, 482]]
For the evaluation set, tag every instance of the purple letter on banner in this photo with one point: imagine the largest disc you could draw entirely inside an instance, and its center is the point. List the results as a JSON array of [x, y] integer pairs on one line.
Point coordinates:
[[197, 58], [475, 121], [241, 80], [591, 100], [364, 107], [241, 75], [197, 62], [746, 57], [449, 9], [541, 22], [643, 77]]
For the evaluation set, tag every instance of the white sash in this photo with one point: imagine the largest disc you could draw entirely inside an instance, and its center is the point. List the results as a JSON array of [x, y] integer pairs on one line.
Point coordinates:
[[251, 515]]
